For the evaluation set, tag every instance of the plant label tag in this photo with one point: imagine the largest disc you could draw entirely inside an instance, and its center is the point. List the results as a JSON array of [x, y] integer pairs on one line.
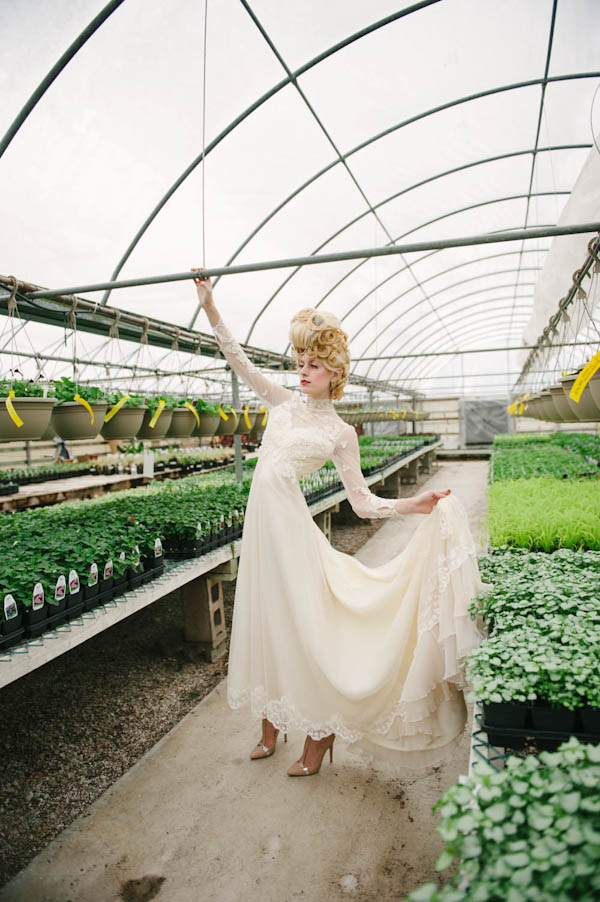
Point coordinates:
[[60, 590], [133, 469], [122, 556], [138, 554], [74, 585], [108, 570], [10, 607], [37, 600], [158, 550], [148, 470], [93, 575]]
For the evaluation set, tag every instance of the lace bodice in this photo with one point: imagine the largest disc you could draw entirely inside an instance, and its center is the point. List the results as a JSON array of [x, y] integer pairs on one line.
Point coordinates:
[[303, 433]]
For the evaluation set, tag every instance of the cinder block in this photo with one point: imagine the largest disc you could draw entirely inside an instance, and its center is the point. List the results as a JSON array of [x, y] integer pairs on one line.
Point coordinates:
[[204, 615]]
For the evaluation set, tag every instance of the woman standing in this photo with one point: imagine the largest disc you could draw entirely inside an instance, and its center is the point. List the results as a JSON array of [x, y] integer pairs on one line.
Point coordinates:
[[319, 641]]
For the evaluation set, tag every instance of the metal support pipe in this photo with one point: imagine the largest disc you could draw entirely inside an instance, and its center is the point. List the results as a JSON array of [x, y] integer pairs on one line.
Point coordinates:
[[55, 71], [237, 439], [410, 247], [566, 344]]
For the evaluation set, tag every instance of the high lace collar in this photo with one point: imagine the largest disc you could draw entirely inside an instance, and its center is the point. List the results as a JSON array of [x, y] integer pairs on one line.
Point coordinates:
[[318, 403]]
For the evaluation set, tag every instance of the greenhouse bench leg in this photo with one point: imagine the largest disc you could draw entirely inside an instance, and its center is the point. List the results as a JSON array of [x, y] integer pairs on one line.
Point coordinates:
[[323, 521], [204, 615], [410, 472]]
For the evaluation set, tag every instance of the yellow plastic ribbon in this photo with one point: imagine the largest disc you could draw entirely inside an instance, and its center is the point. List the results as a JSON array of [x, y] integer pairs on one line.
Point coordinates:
[[194, 411], [264, 419], [589, 370], [85, 404], [513, 407], [403, 413], [116, 408], [159, 409], [11, 410], [394, 414], [222, 414], [246, 417]]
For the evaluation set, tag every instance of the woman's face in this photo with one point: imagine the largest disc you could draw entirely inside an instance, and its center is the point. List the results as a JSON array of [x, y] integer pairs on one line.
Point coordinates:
[[315, 378]]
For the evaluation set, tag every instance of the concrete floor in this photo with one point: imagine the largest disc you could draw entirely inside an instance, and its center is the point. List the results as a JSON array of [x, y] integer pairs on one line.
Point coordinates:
[[196, 821]]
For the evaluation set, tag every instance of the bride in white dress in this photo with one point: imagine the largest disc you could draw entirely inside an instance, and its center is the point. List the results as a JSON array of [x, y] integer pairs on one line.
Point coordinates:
[[319, 641]]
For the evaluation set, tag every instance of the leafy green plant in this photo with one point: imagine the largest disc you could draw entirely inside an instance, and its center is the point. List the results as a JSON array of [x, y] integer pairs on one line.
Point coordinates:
[[544, 514], [132, 400], [23, 388], [528, 833], [65, 389], [206, 407], [556, 663], [539, 460]]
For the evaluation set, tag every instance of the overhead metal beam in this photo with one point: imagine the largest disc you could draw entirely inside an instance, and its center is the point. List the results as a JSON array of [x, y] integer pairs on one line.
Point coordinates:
[[55, 71], [369, 29], [410, 247], [566, 344]]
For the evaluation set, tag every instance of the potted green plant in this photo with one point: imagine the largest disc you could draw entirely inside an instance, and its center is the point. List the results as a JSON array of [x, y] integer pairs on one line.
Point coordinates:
[[228, 422], [24, 411], [124, 416], [157, 417], [79, 411], [184, 419], [209, 418]]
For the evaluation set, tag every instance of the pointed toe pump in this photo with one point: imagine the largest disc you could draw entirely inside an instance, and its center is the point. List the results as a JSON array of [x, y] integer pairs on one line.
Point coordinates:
[[300, 769], [261, 750]]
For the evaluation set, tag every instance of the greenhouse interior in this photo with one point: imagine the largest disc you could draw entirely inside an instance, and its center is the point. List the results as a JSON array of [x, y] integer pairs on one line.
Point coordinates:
[[277, 280]]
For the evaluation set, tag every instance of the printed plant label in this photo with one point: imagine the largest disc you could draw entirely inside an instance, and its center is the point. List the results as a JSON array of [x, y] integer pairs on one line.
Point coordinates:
[[158, 549], [37, 600], [10, 607], [60, 589], [108, 570], [93, 575], [74, 585]]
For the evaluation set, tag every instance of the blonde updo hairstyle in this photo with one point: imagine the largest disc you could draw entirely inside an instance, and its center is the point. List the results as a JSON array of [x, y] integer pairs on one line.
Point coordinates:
[[320, 334]]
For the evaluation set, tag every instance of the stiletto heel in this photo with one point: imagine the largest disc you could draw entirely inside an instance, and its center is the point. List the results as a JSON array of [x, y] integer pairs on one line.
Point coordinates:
[[261, 750], [299, 769]]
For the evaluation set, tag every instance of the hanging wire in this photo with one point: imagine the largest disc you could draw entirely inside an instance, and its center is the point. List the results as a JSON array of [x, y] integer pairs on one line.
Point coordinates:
[[592, 117], [204, 134]]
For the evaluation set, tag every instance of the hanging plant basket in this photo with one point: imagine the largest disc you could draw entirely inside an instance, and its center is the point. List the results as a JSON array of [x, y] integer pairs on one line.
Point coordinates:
[[182, 424], [586, 410], [208, 424], [242, 426], [71, 421], [260, 416], [564, 414], [160, 428], [35, 414], [228, 426], [125, 424], [594, 387], [49, 432]]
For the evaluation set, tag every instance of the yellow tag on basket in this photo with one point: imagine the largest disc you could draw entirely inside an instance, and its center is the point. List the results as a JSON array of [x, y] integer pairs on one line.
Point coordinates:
[[394, 414], [591, 367], [159, 409], [521, 408], [403, 413], [11, 410], [85, 404], [116, 408], [513, 407], [222, 414], [264, 419], [194, 411], [246, 417]]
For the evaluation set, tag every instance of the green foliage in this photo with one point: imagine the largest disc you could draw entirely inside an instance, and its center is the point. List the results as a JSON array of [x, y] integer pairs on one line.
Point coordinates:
[[530, 586], [528, 833], [132, 400], [23, 388], [539, 460], [554, 662], [205, 407], [544, 514], [65, 390]]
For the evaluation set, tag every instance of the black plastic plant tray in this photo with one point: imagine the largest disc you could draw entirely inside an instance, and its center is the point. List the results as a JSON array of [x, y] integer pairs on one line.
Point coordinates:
[[515, 738]]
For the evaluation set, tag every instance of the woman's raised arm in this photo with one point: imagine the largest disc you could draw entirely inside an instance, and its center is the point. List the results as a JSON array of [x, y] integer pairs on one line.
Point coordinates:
[[266, 389]]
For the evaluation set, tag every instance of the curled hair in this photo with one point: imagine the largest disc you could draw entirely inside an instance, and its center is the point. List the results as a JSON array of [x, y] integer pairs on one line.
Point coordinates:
[[320, 334]]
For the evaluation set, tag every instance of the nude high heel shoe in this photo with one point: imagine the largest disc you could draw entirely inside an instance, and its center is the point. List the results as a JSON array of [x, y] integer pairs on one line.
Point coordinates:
[[299, 769], [265, 751]]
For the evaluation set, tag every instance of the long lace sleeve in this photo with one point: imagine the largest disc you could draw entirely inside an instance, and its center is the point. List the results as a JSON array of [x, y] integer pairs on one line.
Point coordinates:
[[266, 389], [364, 503]]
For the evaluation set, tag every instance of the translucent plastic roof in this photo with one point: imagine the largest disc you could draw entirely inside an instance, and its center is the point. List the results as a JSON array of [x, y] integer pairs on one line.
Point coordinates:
[[419, 129]]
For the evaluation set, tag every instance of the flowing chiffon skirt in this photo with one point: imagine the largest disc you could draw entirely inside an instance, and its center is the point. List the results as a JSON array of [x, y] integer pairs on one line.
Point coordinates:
[[324, 644]]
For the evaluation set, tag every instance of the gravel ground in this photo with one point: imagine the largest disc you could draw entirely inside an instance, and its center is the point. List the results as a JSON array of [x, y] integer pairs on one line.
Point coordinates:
[[71, 728]]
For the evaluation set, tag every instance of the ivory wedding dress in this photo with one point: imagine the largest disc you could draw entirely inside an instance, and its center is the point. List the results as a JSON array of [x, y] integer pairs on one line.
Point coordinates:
[[324, 644]]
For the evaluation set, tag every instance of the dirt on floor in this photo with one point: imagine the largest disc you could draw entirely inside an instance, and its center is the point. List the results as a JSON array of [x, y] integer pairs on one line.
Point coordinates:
[[71, 728]]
